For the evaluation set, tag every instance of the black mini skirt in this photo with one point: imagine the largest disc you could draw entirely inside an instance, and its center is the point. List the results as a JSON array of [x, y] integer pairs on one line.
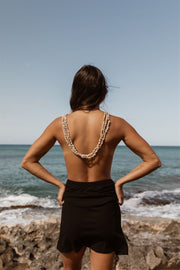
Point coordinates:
[[91, 217]]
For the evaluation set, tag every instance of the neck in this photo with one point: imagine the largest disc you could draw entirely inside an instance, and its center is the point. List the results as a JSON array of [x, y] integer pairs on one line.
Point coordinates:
[[85, 109]]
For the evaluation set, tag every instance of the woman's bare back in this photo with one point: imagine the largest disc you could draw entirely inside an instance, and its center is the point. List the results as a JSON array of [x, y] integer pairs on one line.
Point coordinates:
[[85, 129]]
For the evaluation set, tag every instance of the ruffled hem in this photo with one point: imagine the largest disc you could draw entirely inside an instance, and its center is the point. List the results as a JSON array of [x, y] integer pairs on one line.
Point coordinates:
[[118, 245]]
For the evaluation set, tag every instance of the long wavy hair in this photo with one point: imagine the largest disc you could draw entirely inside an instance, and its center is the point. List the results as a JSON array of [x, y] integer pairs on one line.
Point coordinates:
[[89, 88]]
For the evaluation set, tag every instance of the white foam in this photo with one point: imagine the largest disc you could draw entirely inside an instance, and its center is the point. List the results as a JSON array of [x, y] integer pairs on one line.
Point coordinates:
[[25, 216], [25, 199], [134, 205]]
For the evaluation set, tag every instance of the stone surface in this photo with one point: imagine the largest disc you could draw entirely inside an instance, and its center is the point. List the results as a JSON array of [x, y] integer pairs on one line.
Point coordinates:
[[154, 244], [152, 260], [159, 252], [174, 262]]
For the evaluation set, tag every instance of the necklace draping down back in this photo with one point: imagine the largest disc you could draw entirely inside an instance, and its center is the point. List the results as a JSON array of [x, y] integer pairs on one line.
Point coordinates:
[[104, 130]]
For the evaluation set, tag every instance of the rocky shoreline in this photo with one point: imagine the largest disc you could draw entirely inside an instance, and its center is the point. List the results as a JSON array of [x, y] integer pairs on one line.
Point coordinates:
[[154, 243]]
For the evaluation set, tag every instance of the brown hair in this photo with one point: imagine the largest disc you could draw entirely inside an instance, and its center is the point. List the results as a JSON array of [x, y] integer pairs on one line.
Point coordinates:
[[89, 88]]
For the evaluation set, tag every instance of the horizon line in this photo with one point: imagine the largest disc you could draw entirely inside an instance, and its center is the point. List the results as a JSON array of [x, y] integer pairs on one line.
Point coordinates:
[[167, 145]]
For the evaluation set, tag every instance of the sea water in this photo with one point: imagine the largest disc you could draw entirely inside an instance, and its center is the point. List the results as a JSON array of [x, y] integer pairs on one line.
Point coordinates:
[[24, 198]]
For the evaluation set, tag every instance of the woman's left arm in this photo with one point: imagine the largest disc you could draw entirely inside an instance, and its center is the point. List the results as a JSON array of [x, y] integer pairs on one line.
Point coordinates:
[[39, 148]]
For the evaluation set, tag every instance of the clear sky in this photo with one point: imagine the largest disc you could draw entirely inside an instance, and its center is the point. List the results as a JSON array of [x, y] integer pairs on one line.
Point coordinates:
[[134, 42]]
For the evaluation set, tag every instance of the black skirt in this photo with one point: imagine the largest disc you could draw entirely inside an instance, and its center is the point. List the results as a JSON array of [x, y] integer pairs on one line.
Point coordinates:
[[91, 217]]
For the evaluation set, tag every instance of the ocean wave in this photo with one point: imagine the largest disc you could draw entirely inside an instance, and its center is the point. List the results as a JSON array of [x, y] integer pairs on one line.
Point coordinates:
[[159, 197], [165, 203], [25, 215], [20, 206], [11, 200], [23, 208]]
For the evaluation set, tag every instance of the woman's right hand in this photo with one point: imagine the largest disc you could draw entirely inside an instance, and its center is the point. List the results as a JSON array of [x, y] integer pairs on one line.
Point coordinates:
[[60, 194], [119, 193]]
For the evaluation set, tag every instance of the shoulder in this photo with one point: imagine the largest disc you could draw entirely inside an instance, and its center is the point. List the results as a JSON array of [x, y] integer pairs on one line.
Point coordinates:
[[117, 121], [54, 129], [55, 125], [55, 122], [121, 126]]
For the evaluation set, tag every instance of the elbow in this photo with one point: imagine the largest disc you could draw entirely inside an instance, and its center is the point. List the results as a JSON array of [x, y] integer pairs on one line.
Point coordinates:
[[157, 163], [27, 163], [24, 164]]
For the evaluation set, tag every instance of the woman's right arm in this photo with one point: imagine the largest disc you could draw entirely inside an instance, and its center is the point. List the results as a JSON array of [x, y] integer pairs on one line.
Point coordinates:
[[140, 147]]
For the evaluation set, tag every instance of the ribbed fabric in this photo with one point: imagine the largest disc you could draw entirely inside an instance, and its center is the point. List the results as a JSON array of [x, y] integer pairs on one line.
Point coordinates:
[[91, 217]]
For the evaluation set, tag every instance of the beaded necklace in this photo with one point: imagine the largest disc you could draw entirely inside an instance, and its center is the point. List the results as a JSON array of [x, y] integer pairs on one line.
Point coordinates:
[[104, 130]]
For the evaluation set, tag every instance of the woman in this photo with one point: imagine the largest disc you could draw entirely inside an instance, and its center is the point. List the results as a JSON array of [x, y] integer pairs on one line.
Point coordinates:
[[90, 199]]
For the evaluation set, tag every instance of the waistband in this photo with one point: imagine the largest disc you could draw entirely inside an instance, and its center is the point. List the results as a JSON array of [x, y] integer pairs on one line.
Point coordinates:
[[103, 187], [100, 183]]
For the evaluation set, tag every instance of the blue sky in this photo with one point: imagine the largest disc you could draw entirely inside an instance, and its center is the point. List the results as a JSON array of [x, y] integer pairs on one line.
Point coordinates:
[[134, 42]]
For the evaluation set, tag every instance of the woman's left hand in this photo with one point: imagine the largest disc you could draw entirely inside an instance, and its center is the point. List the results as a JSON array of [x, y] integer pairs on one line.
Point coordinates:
[[60, 195], [119, 193]]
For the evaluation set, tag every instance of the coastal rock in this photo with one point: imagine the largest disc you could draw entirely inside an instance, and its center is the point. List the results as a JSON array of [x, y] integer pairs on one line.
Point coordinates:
[[172, 229], [135, 260], [159, 252], [154, 244], [3, 244], [1, 264], [152, 260], [174, 263]]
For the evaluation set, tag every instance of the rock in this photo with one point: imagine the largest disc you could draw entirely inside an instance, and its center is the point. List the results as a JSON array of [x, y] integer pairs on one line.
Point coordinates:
[[1, 264], [153, 244], [174, 263], [152, 260], [159, 252], [3, 244], [19, 267], [173, 228]]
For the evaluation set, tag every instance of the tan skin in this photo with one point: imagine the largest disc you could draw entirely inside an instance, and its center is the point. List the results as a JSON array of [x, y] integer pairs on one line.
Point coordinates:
[[85, 129]]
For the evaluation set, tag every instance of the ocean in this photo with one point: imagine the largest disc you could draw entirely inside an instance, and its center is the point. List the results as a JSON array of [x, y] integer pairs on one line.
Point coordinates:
[[24, 198]]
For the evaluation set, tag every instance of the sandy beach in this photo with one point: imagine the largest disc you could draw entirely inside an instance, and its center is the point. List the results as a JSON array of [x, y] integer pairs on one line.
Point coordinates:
[[154, 243]]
